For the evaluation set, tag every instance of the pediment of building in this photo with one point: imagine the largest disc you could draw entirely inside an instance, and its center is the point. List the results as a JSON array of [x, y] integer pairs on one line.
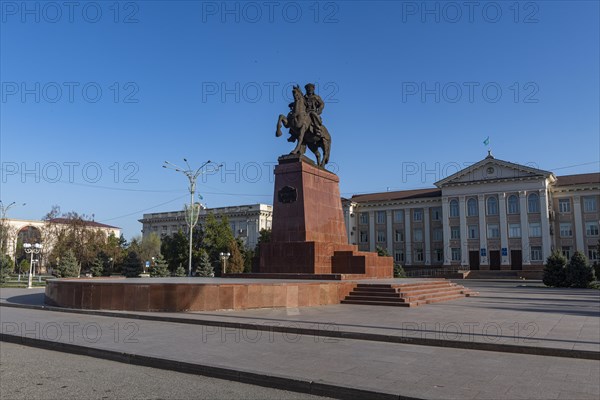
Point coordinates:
[[491, 169]]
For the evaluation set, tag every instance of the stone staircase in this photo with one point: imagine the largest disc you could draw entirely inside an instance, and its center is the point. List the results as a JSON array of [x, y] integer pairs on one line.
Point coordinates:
[[406, 294]]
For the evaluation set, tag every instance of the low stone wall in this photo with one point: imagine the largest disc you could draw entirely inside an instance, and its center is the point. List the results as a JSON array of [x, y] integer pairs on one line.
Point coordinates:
[[122, 294]]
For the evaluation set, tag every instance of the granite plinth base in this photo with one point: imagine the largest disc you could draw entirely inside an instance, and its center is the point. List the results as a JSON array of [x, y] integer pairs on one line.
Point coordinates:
[[191, 294], [323, 258], [309, 233]]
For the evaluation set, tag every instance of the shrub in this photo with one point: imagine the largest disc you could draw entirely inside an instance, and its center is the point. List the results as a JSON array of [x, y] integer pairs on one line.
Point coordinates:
[[180, 271], [381, 251], [579, 272], [554, 270], [596, 268], [6, 267], [399, 271], [24, 266]]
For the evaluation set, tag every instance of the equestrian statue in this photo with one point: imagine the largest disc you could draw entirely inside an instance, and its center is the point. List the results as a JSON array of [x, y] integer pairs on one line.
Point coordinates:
[[305, 124]]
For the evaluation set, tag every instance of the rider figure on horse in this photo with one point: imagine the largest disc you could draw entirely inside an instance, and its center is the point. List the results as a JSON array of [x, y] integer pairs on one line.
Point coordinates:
[[314, 106]]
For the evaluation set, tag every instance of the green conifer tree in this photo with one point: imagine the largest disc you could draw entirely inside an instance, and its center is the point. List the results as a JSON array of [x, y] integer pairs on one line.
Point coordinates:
[[97, 267], [554, 270], [235, 264], [6, 267], [68, 267], [132, 265], [579, 272], [205, 269], [160, 269]]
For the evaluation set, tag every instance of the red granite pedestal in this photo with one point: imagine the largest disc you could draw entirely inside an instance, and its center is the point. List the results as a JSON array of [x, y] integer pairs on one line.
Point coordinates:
[[308, 232]]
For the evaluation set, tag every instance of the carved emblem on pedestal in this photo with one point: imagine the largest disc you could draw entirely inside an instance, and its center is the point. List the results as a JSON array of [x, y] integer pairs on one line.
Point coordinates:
[[287, 194]]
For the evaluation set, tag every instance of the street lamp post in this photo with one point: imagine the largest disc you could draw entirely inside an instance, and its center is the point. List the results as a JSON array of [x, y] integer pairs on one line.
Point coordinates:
[[224, 258], [31, 249], [192, 176]]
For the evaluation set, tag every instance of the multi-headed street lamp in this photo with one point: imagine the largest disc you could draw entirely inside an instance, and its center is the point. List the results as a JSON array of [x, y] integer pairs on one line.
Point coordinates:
[[192, 176], [31, 249]]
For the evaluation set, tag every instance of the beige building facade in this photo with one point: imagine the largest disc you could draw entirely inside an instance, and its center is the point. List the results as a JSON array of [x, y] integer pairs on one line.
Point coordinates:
[[493, 215], [246, 221], [36, 231]]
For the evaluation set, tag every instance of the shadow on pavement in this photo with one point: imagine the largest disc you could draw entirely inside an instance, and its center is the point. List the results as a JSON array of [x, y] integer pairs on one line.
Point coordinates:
[[35, 299]]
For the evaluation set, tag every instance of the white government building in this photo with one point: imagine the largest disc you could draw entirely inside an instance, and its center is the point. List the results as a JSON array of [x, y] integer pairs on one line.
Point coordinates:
[[246, 221], [493, 215]]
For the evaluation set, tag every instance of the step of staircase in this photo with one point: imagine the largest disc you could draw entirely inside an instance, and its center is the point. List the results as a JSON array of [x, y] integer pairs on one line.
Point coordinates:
[[378, 298], [418, 292], [422, 285], [376, 290], [377, 303], [406, 294], [378, 294], [430, 296]]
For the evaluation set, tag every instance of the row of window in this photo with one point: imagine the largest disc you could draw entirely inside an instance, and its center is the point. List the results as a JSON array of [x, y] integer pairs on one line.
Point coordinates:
[[535, 253], [493, 232], [513, 207], [398, 216], [418, 256], [589, 205], [455, 254], [566, 229]]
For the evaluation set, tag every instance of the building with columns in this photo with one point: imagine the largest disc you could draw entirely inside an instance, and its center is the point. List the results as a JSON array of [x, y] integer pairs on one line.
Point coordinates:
[[245, 221], [493, 215]]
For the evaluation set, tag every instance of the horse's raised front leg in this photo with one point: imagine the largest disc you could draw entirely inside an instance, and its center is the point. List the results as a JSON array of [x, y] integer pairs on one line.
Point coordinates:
[[282, 119]]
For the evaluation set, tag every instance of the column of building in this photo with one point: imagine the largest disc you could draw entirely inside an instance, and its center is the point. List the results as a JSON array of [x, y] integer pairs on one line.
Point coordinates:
[[407, 237], [389, 234], [446, 229], [427, 234], [350, 221], [483, 250], [503, 229], [372, 231], [579, 246], [524, 228], [546, 246], [464, 249]]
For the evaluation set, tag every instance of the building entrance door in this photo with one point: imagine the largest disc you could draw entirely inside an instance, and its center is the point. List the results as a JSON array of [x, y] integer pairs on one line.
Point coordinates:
[[516, 260], [495, 259], [473, 260]]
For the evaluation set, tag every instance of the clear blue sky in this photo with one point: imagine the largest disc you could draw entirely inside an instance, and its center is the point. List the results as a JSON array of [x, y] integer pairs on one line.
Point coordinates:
[[412, 90]]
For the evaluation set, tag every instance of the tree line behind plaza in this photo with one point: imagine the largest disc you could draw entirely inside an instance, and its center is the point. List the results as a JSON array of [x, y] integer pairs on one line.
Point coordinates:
[[78, 248]]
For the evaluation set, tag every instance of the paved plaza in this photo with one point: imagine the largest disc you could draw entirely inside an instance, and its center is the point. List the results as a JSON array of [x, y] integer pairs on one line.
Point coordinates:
[[517, 340]]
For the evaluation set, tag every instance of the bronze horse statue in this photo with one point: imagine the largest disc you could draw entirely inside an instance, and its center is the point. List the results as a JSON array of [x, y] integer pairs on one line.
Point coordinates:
[[304, 131]]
